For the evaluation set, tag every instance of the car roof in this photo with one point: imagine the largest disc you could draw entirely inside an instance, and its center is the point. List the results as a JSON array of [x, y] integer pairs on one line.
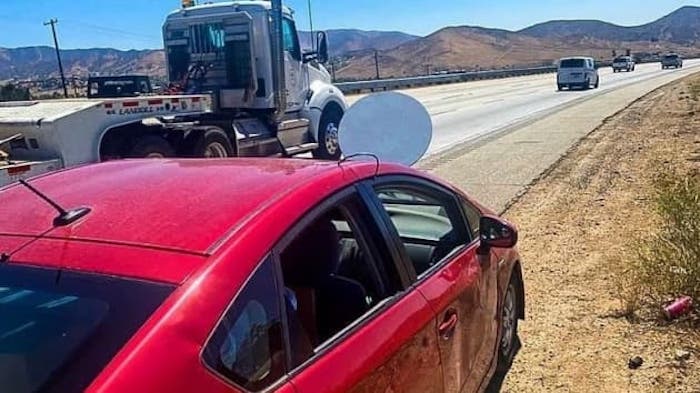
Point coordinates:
[[131, 200], [182, 207]]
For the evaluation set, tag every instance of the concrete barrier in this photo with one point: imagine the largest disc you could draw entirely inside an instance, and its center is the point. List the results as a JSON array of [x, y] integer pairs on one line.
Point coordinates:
[[407, 83]]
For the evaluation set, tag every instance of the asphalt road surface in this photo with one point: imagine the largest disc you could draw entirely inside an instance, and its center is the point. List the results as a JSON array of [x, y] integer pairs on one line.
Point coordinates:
[[468, 111]]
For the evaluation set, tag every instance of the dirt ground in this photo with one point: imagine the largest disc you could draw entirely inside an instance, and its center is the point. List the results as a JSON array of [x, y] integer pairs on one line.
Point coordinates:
[[577, 224]]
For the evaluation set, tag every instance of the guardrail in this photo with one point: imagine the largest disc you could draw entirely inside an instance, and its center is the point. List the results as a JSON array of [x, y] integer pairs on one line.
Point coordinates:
[[407, 83]]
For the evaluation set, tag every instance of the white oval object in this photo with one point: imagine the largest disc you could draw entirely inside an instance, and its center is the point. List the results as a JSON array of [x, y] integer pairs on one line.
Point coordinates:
[[392, 126]]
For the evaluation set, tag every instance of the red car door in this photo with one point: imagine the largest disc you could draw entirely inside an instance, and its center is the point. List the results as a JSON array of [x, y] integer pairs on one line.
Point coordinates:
[[354, 326], [463, 293], [459, 284]]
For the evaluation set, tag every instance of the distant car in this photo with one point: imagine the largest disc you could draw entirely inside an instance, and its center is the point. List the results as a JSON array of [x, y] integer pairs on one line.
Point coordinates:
[[671, 60], [249, 275], [623, 63], [578, 72], [123, 86]]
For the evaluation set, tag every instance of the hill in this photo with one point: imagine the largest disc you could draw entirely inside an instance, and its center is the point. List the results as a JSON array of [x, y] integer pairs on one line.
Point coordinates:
[[344, 41], [451, 48], [681, 26], [40, 62], [469, 48]]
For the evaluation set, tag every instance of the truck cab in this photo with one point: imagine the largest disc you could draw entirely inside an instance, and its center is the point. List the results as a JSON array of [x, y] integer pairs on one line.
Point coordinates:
[[227, 49], [119, 86], [240, 86]]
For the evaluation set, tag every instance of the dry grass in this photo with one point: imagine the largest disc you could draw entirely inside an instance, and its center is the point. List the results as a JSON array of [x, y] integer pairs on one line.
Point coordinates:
[[666, 263], [695, 91]]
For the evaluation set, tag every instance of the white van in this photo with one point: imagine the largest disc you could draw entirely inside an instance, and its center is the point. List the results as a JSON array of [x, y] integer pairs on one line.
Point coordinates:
[[577, 72]]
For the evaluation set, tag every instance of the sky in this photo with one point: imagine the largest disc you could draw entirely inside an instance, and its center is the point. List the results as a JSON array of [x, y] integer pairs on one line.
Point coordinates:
[[135, 24]]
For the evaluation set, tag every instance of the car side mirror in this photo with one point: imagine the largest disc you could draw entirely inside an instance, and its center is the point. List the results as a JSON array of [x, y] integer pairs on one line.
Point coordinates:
[[322, 39], [497, 233]]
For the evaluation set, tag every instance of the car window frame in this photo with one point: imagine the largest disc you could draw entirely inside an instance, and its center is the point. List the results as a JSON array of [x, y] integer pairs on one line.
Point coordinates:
[[424, 186], [473, 232], [308, 218], [268, 258]]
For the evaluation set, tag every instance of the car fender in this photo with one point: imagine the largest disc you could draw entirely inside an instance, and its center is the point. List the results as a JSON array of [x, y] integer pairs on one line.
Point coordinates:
[[321, 96], [508, 268]]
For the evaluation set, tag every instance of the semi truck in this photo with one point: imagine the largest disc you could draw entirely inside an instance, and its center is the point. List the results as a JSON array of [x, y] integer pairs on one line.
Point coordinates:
[[240, 85]]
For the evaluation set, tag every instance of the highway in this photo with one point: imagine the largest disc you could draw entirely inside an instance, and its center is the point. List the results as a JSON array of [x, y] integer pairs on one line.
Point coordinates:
[[467, 111]]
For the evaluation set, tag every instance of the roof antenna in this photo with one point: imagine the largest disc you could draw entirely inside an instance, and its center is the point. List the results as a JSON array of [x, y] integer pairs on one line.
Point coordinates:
[[65, 217]]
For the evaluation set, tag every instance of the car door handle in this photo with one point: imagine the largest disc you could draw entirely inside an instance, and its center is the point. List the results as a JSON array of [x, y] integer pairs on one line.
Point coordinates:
[[448, 326]]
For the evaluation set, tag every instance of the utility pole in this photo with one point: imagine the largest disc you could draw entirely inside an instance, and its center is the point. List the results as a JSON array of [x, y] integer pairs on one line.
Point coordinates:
[[376, 63], [53, 22]]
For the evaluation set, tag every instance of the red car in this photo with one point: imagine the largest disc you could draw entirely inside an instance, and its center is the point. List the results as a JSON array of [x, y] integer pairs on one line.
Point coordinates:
[[253, 275]]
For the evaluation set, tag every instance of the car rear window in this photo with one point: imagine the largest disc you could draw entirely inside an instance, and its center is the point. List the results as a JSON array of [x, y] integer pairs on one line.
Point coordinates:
[[58, 330], [671, 57], [572, 63]]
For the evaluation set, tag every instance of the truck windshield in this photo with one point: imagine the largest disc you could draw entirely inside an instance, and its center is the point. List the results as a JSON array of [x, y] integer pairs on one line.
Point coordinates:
[[572, 63], [621, 60], [58, 330], [671, 57]]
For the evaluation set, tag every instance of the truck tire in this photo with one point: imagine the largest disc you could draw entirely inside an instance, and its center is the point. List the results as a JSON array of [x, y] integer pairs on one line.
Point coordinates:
[[151, 146], [213, 144], [328, 140]]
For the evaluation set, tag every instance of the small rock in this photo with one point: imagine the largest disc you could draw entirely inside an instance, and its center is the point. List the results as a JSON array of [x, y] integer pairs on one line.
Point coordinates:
[[635, 362], [682, 355]]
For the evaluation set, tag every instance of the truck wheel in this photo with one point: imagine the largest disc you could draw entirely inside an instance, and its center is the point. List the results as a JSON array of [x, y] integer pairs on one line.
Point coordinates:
[[213, 144], [151, 146], [328, 140], [597, 83]]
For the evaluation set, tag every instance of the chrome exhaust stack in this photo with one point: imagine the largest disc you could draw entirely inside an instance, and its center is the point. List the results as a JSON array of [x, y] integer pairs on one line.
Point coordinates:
[[278, 69]]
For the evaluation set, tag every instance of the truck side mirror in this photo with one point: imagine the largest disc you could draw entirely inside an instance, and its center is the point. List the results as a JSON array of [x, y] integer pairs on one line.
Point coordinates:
[[322, 39]]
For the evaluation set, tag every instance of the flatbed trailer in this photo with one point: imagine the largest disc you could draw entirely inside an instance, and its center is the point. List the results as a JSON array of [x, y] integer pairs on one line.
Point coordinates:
[[42, 136]]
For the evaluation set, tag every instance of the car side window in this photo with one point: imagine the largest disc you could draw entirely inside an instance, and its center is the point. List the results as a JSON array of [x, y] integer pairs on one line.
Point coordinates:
[[473, 218], [428, 221], [333, 276], [247, 347]]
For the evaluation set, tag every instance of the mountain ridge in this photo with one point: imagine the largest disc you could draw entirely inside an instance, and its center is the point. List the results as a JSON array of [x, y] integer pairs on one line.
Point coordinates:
[[401, 54]]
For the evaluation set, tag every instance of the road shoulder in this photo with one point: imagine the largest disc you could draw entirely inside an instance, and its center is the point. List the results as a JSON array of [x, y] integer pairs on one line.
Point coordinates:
[[577, 222]]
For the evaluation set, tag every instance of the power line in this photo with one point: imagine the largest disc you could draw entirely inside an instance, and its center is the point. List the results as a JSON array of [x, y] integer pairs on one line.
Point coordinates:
[[114, 30]]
